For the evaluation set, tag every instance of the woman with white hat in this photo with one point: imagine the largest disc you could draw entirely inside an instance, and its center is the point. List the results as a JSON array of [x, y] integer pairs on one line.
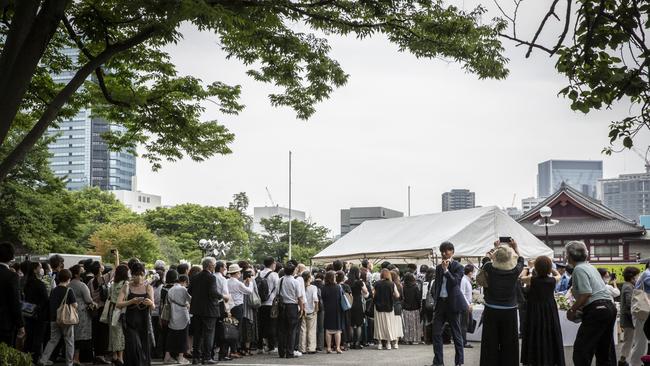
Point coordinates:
[[237, 291], [499, 340]]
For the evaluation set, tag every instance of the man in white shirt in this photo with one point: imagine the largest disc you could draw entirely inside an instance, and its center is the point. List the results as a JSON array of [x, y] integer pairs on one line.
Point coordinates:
[[268, 325], [466, 290], [222, 288], [308, 323], [294, 306]]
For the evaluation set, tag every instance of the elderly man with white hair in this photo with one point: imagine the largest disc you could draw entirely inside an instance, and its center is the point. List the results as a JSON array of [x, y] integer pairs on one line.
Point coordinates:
[[205, 311], [595, 306]]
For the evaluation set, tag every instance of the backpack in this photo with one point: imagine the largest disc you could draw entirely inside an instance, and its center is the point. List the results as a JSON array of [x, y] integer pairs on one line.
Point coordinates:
[[263, 287]]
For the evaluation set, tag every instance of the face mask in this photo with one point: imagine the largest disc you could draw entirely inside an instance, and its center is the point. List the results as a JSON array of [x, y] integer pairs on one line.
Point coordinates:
[[606, 279], [40, 272]]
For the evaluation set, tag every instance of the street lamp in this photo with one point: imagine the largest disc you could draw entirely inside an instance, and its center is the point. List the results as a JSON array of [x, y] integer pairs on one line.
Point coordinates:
[[214, 247], [546, 220]]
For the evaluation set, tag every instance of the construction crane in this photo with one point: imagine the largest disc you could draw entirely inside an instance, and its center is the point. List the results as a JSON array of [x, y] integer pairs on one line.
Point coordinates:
[[268, 193], [644, 157], [514, 197]]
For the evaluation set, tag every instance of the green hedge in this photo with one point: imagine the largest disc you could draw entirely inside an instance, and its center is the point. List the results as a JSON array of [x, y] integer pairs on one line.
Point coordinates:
[[13, 357]]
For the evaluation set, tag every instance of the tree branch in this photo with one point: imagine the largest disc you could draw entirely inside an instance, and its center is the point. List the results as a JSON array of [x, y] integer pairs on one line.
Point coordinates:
[[551, 11], [530, 44]]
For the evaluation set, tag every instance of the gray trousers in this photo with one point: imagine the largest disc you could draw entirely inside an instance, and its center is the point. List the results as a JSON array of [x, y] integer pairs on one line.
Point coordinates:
[[56, 332]]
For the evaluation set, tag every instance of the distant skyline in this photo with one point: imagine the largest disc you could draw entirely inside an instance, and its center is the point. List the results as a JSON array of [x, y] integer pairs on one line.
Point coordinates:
[[399, 121]]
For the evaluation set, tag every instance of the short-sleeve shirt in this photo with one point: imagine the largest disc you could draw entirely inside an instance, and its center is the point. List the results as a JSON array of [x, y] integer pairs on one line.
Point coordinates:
[[586, 279], [222, 284], [56, 297], [178, 297], [311, 296], [290, 289]]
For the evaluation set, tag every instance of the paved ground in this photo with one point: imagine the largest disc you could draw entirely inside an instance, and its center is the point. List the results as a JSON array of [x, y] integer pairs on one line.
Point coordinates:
[[418, 355]]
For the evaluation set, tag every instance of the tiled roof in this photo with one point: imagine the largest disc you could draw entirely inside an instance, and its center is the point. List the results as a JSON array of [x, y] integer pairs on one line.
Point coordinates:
[[588, 203], [584, 226]]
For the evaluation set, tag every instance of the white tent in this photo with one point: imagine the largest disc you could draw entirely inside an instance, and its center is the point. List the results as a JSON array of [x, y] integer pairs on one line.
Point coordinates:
[[416, 238]]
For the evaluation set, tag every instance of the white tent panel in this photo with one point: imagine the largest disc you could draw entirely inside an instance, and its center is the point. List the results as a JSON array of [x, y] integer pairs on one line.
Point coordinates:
[[472, 231]]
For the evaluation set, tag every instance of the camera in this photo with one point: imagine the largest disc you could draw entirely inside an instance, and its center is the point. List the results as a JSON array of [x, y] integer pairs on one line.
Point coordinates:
[[247, 274]]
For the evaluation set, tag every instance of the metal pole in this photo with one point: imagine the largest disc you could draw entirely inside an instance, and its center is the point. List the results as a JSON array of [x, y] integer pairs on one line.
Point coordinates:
[[409, 199], [289, 204], [546, 227]]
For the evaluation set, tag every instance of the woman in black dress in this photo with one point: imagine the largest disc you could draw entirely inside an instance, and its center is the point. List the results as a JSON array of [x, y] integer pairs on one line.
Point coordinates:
[[35, 293], [331, 294], [542, 341], [139, 303], [359, 292]]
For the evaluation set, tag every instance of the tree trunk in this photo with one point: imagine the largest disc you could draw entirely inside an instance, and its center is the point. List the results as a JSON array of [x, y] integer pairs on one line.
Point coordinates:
[[26, 42], [53, 109]]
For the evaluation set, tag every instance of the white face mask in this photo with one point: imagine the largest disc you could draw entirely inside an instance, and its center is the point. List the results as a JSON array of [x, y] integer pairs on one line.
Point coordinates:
[[41, 272]]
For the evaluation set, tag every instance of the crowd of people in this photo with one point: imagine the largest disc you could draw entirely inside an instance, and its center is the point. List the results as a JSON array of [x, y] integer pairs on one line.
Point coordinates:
[[124, 314]]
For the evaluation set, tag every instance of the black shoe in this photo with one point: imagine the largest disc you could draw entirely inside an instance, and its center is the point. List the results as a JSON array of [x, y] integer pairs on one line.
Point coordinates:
[[225, 358], [209, 362], [468, 346], [195, 361]]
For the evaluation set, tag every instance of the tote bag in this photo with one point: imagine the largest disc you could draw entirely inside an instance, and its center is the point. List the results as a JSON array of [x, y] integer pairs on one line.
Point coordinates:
[[345, 304], [66, 314], [640, 303]]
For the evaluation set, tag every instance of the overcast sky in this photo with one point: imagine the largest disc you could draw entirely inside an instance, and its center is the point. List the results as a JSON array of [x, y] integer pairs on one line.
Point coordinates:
[[399, 121]]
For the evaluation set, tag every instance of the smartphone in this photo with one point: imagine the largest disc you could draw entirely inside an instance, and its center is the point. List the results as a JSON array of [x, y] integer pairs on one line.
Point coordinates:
[[505, 239]]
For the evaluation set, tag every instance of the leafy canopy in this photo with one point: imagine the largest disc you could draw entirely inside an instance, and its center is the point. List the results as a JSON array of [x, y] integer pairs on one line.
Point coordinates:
[[123, 72], [603, 51], [307, 239]]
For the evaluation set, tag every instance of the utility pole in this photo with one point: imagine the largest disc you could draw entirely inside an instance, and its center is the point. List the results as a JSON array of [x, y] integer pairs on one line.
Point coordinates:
[[290, 204], [409, 201]]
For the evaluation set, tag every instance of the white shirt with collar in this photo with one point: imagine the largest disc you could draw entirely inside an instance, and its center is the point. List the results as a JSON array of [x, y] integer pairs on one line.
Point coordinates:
[[222, 284], [290, 289], [466, 289], [238, 289]]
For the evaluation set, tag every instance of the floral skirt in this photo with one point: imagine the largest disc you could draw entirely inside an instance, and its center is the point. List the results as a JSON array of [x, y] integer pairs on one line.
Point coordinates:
[[411, 325]]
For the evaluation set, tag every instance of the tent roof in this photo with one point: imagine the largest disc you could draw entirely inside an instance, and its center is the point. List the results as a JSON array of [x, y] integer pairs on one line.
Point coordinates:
[[416, 237]]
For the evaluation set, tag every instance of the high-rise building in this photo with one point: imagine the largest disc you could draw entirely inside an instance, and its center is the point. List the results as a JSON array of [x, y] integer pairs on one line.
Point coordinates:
[[529, 203], [81, 156], [268, 212], [354, 216], [582, 175], [458, 199], [629, 194]]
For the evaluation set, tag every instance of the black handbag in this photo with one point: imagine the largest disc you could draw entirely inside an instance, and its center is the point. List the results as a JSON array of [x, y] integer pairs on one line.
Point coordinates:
[[370, 308], [230, 332], [397, 307], [471, 325]]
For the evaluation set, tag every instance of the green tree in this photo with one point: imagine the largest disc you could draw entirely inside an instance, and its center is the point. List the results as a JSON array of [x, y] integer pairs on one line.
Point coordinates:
[[307, 239], [160, 109], [602, 50], [35, 208], [188, 223], [97, 207], [132, 240]]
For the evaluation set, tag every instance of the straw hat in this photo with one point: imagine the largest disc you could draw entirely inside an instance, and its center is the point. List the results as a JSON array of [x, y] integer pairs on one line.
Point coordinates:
[[234, 268], [504, 258]]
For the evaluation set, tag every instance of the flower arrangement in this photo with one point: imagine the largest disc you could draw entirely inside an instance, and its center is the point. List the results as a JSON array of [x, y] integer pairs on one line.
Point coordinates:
[[563, 302]]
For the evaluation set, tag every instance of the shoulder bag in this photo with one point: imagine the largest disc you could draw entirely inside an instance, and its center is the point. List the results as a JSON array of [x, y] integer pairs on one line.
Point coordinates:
[[116, 317], [345, 304], [66, 314], [278, 305], [254, 300], [640, 307]]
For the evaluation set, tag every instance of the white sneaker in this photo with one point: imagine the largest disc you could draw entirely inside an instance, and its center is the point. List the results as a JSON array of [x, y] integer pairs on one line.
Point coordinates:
[[388, 346], [297, 353], [379, 346], [396, 345]]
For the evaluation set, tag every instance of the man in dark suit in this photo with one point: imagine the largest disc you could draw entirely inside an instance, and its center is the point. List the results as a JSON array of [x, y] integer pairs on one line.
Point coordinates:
[[205, 311], [11, 321], [449, 304]]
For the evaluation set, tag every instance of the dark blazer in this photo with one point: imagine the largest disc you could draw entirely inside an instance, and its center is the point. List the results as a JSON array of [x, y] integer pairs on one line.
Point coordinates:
[[455, 300], [205, 297], [10, 308]]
